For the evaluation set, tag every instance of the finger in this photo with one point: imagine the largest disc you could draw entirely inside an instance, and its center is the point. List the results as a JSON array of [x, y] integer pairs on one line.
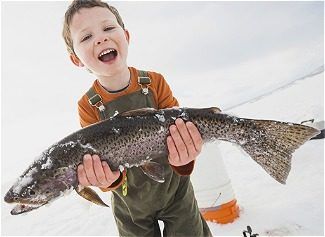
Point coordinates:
[[173, 153], [99, 171], [195, 135], [178, 141], [111, 176], [82, 178], [89, 168], [187, 139]]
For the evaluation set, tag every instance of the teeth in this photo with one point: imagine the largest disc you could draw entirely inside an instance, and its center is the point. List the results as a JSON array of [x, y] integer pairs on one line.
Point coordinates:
[[106, 51]]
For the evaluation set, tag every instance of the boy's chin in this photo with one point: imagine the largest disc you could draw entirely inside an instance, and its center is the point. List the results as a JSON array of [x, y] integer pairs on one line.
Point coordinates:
[[111, 70]]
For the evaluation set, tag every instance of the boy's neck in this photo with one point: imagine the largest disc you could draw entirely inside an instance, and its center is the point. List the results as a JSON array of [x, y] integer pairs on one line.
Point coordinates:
[[116, 82]]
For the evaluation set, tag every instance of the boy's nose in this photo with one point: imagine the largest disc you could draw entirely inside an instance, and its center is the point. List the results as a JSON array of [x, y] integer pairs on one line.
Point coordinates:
[[101, 41]]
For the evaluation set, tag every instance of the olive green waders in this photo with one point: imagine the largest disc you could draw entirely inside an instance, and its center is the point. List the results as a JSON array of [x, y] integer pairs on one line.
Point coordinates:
[[140, 202]]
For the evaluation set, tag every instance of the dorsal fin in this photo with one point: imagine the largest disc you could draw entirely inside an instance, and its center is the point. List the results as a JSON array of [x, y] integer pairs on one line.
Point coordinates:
[[216, 110], [138, 112]]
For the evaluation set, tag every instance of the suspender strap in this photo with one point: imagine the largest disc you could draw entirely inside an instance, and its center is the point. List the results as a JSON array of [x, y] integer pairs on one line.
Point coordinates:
[[96, 100], [144, 81]]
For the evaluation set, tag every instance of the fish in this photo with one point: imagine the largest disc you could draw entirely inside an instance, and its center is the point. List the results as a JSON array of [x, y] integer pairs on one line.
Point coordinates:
[[138, 139]]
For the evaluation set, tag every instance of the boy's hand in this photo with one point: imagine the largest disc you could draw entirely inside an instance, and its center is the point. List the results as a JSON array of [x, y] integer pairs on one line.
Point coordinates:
[[94, 172], [184, 144]]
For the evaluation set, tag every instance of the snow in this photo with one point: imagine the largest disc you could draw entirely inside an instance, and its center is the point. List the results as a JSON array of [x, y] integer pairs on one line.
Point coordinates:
[[160, 117], [296, 208], [48, 164], [275, 71]]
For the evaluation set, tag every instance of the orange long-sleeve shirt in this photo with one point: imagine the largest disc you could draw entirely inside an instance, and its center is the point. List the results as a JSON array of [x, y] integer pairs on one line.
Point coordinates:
[[161, 92], [163, 98]]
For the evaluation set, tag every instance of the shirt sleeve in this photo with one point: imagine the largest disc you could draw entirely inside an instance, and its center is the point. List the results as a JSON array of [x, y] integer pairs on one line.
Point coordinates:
[[184, 170], [165, 96], [117, 183]]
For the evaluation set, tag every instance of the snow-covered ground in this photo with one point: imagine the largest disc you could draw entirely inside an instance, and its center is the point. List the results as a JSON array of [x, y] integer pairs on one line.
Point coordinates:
[[270, 208], [40, 88]]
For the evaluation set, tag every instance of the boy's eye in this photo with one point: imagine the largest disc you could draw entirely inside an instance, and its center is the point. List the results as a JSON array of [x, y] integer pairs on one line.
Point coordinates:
[[109, 28], [85, 38]]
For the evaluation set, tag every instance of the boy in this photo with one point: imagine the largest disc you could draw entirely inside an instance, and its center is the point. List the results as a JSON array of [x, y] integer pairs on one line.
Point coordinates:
[[97, 39]]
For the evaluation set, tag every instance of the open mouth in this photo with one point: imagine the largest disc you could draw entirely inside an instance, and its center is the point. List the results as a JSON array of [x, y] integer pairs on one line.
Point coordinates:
[[23, 205], [107, 55], [21, 208]]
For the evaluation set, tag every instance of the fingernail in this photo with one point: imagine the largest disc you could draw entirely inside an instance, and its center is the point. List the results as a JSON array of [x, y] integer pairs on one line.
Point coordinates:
[[173, 128], [189, 124]]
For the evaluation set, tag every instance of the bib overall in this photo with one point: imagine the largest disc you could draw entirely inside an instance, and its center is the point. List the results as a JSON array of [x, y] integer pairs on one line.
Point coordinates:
[[140, 202]]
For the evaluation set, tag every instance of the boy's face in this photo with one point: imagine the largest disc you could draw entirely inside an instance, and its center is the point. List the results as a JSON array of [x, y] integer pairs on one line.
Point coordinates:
[[99, 41]]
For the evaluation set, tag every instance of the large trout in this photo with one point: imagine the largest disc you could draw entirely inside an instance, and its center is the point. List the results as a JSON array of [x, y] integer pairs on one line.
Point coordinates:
[[138, 138]]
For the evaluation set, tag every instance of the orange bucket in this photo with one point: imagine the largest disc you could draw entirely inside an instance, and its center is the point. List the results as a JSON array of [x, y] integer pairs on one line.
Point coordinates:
[[223, 214]]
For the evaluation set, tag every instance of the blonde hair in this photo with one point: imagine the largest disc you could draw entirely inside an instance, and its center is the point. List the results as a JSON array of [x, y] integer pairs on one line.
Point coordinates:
[[74, 7]]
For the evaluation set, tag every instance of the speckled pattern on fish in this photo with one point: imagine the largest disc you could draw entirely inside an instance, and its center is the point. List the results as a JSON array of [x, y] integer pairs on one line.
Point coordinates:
[[137, 138]]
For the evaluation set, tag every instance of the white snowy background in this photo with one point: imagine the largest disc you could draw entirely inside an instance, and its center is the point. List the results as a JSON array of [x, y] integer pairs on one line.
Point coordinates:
[[252, 59]]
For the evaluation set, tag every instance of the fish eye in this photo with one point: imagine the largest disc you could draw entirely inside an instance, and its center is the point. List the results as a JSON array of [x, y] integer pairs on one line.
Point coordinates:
[[31, 192]]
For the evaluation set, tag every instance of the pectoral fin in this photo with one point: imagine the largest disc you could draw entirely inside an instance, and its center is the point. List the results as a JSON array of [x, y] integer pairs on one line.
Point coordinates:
[[90, 195], [154, 171]]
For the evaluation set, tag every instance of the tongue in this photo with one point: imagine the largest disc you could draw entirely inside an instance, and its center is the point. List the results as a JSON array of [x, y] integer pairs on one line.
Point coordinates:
[[107, 57]]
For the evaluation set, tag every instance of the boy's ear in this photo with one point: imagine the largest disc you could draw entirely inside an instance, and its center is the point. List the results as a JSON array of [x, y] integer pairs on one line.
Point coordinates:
[[75, 60], [127, 35]]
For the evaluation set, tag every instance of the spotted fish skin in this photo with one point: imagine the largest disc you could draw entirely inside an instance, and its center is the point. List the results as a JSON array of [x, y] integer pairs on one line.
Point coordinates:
[[136, 137]]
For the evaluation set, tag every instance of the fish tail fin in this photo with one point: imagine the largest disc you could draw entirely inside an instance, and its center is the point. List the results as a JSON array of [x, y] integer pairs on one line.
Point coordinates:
[[271, 144]]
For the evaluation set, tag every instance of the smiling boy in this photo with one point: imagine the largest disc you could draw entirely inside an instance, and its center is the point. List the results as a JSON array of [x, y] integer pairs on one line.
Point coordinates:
[[96, 39]]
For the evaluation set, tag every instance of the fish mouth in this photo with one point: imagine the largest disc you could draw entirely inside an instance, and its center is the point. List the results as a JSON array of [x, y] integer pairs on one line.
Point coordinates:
[[23, 207]]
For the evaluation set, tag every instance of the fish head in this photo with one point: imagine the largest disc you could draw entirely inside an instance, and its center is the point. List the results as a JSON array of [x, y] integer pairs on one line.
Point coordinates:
[[39, 185]]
